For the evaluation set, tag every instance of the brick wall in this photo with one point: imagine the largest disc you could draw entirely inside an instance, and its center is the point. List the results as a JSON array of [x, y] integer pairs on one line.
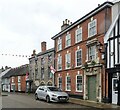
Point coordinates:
[[103, 23]]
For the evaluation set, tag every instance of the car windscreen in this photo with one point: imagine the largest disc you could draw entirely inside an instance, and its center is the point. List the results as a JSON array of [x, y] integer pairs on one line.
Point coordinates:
[[54, 89]]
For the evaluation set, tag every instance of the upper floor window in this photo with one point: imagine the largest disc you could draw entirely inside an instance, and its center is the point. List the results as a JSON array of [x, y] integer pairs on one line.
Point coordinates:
[[50, 74], [79, 57], [92, 28], [79, 83], [50, 58], [78, 35], [68, 40], [59, 63], [68, 83], [92, 52], [67, 60], [42, 73], [60, 82], [42, 61], [19, 78], [59, 45]]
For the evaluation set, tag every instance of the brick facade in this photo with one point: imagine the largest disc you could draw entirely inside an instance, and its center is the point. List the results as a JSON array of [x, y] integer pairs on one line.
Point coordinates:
[[103, 18]]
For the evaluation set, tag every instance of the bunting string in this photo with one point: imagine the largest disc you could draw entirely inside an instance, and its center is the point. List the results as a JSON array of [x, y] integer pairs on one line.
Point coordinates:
[[15, 55]]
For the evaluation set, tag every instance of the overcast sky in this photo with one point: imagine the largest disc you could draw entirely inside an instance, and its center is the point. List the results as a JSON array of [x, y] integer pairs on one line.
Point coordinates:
[[24, 24]]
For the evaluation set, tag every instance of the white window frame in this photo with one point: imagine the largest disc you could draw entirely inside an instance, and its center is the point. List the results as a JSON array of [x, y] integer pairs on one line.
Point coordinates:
[[92, 53], [77, 58], [78, 35], [59, 63], [68, 60], [68, 83], [92, 28], [59, 84], [80, 84], [59, 46], [68, 40], [19, 78], [13, 79]]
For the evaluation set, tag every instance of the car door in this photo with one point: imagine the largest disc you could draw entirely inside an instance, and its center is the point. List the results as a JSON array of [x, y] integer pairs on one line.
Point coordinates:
[[44, 92], [40, 90]]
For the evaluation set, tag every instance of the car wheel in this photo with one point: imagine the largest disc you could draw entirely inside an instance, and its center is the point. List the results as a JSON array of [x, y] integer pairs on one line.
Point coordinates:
[[36, 97], [47, 99]]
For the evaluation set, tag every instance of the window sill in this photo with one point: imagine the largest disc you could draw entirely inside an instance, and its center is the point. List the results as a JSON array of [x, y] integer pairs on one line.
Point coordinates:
[[78, 91], [59, 70], [67, 68], [78, 42], [78, 66], [67, 46], [89, 37], [68, 90], [59, 50]]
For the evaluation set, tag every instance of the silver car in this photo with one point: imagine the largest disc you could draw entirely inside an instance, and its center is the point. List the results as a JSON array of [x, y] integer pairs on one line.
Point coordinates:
[[51, 93]]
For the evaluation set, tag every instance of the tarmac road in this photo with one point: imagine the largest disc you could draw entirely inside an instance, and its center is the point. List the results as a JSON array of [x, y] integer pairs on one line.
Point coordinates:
[[23, 100]]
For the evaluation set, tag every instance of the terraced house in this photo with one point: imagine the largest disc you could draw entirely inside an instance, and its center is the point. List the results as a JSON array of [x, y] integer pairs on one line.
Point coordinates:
[[15, 79], [80, 62]]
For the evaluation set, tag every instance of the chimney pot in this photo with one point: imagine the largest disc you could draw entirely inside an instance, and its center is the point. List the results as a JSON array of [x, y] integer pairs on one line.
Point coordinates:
[[63, 22]]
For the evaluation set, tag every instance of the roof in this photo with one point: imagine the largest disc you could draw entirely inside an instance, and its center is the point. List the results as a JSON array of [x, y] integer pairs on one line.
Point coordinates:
[[115, 1], [19, 71], [4, 72], [45, 52], [90, 14], [42, 53]]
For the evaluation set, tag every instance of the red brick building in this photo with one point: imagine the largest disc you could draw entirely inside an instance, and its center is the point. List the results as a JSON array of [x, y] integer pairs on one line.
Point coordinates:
[[18, 79], [79, 63]]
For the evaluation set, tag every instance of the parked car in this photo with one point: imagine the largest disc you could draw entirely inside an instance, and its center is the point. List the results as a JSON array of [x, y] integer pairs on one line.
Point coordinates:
[[51, 93]]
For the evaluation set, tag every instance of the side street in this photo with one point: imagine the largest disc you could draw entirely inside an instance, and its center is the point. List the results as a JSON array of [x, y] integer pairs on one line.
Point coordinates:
[[84, 62]]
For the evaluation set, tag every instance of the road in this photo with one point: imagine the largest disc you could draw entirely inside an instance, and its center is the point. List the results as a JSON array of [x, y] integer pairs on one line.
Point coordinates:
[[22, 100]]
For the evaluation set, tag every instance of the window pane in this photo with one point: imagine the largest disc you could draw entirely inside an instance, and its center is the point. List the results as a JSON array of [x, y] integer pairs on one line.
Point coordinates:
[[79, 83], [79, 58], [92, 28]]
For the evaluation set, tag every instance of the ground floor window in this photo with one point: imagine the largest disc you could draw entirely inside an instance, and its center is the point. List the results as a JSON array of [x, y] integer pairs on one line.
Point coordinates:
[[79, 83], [68, 83], [60, 82]]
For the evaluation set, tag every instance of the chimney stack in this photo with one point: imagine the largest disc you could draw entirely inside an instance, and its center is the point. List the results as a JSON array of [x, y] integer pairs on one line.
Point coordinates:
[[66, 23], [43, 46], [34, 53]]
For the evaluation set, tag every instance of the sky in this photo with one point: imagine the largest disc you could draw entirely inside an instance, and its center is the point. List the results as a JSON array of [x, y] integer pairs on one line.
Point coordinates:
[[24, 24]]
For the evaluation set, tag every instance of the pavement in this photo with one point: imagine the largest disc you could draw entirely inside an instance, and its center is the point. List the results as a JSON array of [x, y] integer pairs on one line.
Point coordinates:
[[86, 103], [94, 104]]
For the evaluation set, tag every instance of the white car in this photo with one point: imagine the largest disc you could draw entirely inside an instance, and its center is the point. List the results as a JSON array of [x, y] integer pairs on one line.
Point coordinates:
[[51, 93]]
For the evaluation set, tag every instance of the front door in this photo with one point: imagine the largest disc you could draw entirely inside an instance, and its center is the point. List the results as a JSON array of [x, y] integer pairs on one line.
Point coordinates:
[[92, 88], [114, 90]]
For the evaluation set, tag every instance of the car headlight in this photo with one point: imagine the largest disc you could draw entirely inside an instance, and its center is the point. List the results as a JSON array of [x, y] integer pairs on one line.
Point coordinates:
[[54, 95]]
